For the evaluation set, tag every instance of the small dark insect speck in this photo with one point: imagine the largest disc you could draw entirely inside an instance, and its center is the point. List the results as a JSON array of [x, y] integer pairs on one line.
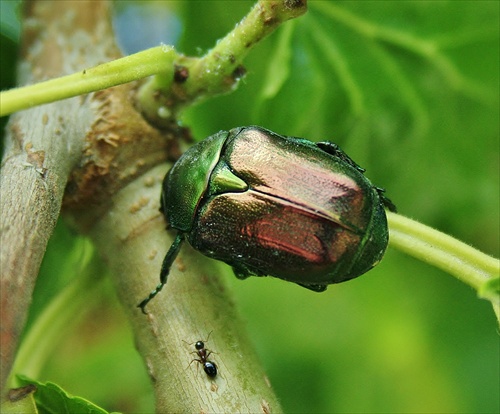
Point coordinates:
[[203, 353]]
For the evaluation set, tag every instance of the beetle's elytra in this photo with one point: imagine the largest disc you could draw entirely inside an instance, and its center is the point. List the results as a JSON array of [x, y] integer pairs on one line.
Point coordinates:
[[270, 205]]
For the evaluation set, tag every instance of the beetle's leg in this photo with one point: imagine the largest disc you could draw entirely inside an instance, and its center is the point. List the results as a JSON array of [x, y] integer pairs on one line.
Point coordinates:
[[242, 272], [388, 204], [165, 269], [170, 257], [315, 288]]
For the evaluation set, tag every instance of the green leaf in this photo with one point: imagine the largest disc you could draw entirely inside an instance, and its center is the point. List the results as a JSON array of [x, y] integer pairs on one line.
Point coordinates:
[[50, 398], [279, 65]]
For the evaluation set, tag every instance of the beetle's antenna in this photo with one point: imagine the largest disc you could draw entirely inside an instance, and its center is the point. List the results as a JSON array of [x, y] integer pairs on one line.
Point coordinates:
[[165, 270]]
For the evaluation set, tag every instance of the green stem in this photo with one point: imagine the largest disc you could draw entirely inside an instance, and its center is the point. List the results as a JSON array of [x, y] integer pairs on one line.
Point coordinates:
[[221, 61], [466, 263], [157, 60], [57, 318], [220, 69], [213, 74]]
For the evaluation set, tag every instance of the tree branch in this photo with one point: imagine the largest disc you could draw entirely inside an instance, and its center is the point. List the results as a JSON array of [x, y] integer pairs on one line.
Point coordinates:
[[133, 241], [43, 145]]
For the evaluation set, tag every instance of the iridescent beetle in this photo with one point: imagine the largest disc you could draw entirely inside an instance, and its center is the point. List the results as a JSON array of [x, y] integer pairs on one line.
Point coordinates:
[[270, 205]]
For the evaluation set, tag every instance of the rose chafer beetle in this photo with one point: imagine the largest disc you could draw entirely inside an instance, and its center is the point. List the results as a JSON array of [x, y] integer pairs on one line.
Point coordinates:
[[271, 205]]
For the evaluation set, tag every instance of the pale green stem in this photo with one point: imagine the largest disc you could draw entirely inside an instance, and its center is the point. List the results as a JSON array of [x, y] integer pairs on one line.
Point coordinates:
[[466, 263], [220, 69], [221, 61], [157, 60], [210, 75]]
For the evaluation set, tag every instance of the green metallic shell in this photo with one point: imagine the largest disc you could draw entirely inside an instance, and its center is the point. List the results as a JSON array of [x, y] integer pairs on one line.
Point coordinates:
[[187, 181], [270, 205], [306, 217]]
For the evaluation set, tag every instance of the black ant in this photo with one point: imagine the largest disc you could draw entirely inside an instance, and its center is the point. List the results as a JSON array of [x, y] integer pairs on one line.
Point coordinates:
[[203, 353]]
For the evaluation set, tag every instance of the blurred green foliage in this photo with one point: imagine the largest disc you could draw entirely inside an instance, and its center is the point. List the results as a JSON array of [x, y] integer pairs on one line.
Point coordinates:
[[9, 38], [411, 91]]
